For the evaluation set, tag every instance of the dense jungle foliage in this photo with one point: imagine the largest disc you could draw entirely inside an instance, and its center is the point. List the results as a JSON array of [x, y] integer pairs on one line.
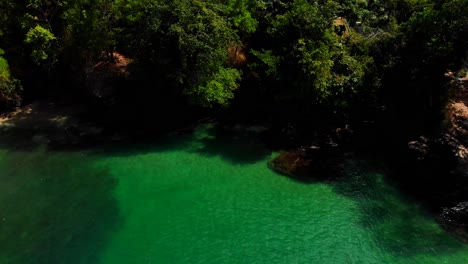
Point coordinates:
[[335, 56]]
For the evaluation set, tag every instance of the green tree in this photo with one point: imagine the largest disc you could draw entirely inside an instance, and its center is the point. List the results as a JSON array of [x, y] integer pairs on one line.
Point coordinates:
[[92, 26], [9, 86], [242, 14], [41, 41], [41, 23], [188, 42], [319, 65]]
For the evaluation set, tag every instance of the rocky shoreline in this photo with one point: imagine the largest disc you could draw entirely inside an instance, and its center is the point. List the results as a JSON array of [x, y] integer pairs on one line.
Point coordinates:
[[432, 168], [454, 142], [322, 161], [53, 125], [321, 157], [59, 125]]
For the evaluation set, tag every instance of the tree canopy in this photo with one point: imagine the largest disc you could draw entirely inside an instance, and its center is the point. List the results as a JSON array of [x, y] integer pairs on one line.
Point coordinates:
[[337, 54]]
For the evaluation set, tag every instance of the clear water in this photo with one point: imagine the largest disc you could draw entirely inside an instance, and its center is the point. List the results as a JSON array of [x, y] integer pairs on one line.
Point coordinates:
[[204, 198]]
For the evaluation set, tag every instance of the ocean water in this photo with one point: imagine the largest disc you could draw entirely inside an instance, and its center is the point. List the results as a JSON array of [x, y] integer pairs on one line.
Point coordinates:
[[205, 197]]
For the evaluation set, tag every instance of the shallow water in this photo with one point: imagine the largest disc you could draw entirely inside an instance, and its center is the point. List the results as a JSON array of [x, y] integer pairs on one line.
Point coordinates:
[[204, 198]]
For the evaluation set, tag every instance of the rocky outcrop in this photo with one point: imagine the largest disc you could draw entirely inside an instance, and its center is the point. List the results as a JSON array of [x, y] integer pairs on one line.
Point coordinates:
[[456, 219], [445, 159], [439, 169], [323, 161], [295, 164], [444, 149]]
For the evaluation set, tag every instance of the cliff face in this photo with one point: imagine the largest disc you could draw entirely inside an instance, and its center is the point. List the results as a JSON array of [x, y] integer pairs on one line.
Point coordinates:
[[443, 158], [457, 117], [457, 111], [455, 216], [457, 123]]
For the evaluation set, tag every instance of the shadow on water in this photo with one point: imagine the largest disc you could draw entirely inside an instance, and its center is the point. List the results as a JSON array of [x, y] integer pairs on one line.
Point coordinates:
[[397, 224], [62, 126], [209, 140], [54, 208], [239, 146]]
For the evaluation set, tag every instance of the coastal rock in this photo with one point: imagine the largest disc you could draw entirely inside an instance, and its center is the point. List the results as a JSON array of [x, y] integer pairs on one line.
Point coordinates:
[[443, 149], [456, 219], [442, 162], [311, 163], [343, 135], [419, 148], [457, 215], [292, 163], [454, 153]]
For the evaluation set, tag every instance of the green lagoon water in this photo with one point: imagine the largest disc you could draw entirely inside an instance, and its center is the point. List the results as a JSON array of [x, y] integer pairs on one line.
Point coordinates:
[[204, 198]]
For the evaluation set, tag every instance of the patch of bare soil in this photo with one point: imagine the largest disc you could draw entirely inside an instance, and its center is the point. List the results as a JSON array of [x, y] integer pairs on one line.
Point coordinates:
[[119, 65]]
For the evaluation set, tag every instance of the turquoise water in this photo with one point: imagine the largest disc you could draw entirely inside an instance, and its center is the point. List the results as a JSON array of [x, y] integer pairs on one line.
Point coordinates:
[[204, 198]]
